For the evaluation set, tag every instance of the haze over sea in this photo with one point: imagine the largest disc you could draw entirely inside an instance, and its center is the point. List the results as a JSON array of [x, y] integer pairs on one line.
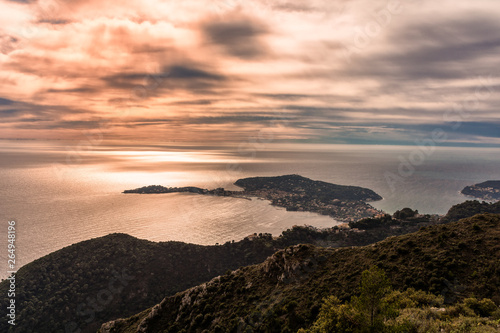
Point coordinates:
[[59, 197]]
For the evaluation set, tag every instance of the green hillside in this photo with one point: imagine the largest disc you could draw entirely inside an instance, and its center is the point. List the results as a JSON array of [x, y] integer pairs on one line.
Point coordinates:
[[470, 208], [88, 283], [286, 292], [59, 292]]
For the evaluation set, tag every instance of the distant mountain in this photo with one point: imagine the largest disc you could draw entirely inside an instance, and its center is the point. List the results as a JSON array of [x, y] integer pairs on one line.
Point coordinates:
[[285, 292], [489, 190]]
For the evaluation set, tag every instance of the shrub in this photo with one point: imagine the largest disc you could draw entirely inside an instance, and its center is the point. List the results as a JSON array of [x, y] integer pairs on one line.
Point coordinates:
[[484, 308], [336, 317]]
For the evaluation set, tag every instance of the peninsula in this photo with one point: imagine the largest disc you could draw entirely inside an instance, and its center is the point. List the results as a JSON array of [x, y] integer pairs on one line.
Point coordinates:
[[295, 193], [489, 190]]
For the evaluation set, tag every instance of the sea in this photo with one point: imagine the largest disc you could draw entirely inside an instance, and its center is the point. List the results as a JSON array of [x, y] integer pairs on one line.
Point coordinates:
[[63, 192]]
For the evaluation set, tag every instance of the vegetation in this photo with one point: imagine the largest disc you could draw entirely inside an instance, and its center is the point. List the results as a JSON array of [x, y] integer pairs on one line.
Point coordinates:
[[405, 213], [59, 292], [86, 284], [371, 303], [470, 208], [297, 184], [403, 311], [454, 266], [158, 189], [403, 218], [151, 189]]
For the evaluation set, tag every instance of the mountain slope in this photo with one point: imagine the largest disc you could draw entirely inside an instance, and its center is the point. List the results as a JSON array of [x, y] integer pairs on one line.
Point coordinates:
[[88, 283], [470, 208], [284, 293]]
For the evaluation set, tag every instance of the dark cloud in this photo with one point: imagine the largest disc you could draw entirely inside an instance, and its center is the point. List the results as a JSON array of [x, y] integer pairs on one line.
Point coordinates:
[[54, 21], [189, 78], [285, 97], [149, 48], [185, 72], [5, 101], [56, 124], [193, 102], [39, 116], [240, 38], [171, 77], [86, 90], [451, 49], [10, 112]]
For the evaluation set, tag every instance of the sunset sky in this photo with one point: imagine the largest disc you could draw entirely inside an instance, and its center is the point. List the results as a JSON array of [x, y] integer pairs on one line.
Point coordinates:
[[323, 71]]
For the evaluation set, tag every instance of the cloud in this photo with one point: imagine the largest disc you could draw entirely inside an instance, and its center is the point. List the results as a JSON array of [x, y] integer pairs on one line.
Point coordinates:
[[193, 102], [209, 70], [5, 101], [173, 77], [238, 37]]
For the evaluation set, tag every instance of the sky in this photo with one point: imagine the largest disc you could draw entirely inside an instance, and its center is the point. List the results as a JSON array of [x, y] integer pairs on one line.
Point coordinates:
[[316, 71]]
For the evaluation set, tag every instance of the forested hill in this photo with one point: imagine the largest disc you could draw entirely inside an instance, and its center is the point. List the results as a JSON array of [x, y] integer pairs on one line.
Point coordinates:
[[470, 208], [83, 285], [285, 293], [297, 184], [88, 283]]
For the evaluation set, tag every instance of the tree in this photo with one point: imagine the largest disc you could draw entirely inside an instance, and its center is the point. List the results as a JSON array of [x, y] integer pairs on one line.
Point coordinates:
[[364, 313], [373, 288], [405, 213], [335, 317]]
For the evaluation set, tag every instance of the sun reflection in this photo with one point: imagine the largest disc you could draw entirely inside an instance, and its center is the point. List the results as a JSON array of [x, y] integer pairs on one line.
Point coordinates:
[[169, 156]]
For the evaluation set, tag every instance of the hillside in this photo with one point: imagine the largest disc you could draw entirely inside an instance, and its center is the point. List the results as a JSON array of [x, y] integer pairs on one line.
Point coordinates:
[[61, 289], [285, 292], [58, 292], [301, 185], [88, 283], [470, 208]]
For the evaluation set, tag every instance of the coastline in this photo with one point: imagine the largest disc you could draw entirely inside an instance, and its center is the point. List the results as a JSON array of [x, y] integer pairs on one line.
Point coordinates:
[[294, 193]]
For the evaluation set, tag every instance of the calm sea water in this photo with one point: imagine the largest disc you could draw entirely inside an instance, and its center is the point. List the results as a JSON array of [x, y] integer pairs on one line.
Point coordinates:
[[60, 194]]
